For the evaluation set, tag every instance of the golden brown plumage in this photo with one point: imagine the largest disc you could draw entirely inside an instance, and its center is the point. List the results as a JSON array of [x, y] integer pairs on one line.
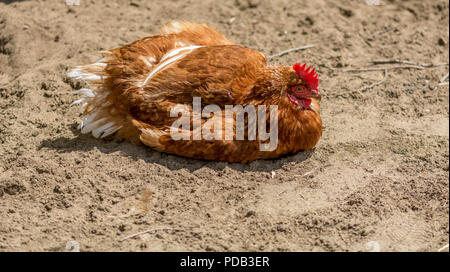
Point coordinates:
[[134, 88]]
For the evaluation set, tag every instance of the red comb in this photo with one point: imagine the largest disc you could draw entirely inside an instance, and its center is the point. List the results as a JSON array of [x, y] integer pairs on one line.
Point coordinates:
[[308, 75]]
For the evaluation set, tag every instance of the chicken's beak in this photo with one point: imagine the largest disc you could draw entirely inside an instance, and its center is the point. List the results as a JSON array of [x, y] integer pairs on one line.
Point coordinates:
[[315, 94]]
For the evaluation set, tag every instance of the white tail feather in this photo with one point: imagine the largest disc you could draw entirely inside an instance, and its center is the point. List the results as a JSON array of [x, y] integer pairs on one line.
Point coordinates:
[[83, 107], [89, 118], [110, 131], [78, 101], [99, 130], [86, 92], [78, 74], [95, 100], [93, 125]]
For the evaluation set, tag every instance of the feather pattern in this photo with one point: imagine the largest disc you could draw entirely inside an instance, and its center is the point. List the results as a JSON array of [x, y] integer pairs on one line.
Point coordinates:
[[133, 88]]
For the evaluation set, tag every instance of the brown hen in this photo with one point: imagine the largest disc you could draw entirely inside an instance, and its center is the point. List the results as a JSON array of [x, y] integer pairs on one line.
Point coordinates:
[[134, 88]]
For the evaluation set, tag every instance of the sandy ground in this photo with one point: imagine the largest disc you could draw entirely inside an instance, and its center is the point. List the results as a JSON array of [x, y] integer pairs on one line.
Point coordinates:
[[379, 173]]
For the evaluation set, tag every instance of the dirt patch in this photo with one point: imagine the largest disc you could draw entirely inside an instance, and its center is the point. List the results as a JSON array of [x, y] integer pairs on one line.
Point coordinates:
[[379, 173]]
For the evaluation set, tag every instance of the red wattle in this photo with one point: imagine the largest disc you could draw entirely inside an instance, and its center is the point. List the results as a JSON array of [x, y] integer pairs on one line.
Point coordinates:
[[306, 103]]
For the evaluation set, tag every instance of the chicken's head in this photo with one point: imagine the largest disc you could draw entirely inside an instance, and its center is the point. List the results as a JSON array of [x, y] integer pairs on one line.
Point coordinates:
[[305, 86]]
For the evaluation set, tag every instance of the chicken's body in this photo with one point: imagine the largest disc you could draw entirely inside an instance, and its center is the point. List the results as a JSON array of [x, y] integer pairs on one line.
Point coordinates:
[[134, 88]]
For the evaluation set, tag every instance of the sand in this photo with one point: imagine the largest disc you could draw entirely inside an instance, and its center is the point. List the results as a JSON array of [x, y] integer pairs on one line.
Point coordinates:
[[379, 173]]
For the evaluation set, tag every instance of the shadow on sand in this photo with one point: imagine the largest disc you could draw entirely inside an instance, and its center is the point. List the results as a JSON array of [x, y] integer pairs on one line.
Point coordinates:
[[172, 162]]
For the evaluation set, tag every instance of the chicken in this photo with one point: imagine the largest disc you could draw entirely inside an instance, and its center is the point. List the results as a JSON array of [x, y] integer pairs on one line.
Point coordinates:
[[152, 92]]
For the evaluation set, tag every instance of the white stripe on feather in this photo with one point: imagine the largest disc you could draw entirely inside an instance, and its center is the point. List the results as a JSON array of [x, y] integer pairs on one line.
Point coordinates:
[[176, 51], [169, 58]]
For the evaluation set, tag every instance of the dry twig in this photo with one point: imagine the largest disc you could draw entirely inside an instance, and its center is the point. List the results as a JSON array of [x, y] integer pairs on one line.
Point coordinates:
[[408, 65], [144, 232], [382, 31], [384, 68], [390, 61], [291, 50], [397, 61], [310, 172], [443, 78], [376, 83], [282, 192]]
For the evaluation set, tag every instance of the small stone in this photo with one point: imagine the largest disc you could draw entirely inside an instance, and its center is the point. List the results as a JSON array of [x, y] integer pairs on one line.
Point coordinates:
[[346, 12], [253, 3], [57, 189], [250, 213]]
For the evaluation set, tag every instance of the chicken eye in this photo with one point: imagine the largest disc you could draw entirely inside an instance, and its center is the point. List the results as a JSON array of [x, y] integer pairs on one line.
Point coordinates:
[[299, 88]]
